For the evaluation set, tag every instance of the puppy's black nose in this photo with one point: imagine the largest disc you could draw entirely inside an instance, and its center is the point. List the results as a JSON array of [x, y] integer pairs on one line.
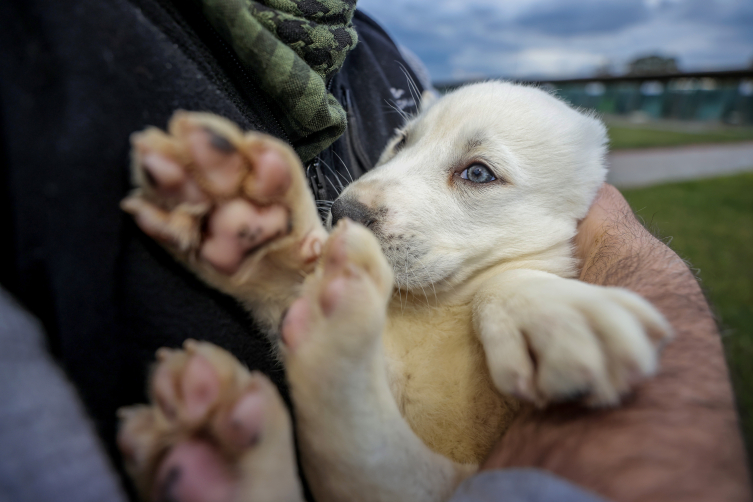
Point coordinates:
[[345, 207]]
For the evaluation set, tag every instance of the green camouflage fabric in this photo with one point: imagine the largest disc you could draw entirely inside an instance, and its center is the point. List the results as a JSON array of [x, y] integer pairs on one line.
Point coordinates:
[[292, 47]]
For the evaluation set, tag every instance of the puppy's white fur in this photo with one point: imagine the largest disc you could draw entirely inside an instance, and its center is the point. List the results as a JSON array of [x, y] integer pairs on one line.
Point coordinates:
[[403, 406], [550, 157], [483, 275], [448, 239]]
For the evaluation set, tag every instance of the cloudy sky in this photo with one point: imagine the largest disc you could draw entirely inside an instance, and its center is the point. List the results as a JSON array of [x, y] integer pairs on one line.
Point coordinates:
[[461, 39]]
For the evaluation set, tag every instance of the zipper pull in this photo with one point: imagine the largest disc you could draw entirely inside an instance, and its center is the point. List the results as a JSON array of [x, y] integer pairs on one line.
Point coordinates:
[[316, 179]]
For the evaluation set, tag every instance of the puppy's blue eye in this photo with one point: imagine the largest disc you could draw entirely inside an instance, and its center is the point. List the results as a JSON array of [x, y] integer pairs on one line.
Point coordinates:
[[477, 173]]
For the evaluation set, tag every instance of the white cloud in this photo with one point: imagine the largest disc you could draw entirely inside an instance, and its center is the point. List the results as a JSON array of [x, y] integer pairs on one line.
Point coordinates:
[[566, 38], [537, 62], [655, 4]]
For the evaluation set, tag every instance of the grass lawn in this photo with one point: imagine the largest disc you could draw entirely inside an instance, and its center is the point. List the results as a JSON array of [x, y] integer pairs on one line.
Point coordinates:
[[711, 222], [623, 136]]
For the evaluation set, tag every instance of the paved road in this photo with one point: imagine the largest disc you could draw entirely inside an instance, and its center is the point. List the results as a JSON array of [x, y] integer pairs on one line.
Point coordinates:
[[635, 168]]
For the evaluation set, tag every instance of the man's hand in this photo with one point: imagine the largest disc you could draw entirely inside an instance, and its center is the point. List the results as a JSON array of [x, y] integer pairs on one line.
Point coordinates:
[[678, 438]]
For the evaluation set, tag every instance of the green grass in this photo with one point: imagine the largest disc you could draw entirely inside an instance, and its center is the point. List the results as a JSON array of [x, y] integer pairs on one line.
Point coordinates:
[[711, 222], [625, 137]]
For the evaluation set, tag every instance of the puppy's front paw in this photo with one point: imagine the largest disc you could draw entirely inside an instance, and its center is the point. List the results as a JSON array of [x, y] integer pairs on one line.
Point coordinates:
[[560, 339], [343, 305], [214, 432], [222, 200]]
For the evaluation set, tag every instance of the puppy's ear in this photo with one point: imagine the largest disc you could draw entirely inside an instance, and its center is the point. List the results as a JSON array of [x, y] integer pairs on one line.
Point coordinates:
[[428, 98]]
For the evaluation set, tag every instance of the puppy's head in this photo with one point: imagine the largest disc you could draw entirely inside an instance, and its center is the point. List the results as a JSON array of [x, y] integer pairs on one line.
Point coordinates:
[[489, 173]]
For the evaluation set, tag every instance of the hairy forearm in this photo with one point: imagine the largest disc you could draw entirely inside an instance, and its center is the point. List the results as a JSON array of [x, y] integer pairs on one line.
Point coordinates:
[[677, 438]]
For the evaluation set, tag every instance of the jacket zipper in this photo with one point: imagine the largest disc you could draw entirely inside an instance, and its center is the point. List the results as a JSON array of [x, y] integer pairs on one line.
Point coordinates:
[[242, 89], [314, 172], [248, 80], [316, 179]]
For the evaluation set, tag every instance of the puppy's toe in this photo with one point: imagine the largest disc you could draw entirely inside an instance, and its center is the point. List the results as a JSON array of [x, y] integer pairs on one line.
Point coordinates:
[[352, 246], [568, 358], [656, 326], [216, 432], [588, 342], [195, 471], [220, 198], [138, 437], [346, 298], [236, 228]]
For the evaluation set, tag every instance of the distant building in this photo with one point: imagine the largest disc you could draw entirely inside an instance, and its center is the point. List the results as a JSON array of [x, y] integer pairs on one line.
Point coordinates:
[[652, 65]]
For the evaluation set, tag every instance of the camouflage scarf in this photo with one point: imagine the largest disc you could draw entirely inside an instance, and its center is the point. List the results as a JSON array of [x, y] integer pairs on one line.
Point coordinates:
[[292, 47]]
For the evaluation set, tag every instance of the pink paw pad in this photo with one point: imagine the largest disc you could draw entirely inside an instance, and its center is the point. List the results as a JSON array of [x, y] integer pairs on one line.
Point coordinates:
[[296, 323], [200, 387], [243, 426], [186, 391], [217, 161], [194, 471], [165, 392], [333, 294], [338, 271], [238, 227], [169, 179], [209, 190], [270, 178], [335, 254]]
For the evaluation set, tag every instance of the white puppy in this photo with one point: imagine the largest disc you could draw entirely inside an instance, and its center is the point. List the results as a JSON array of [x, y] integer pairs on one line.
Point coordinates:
[[399, 392]]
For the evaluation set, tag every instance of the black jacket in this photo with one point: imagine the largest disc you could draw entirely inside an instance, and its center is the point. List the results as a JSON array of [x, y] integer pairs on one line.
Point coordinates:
[[76, 78]]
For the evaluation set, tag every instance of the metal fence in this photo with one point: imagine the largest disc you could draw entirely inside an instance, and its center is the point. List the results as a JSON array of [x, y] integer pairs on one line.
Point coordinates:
[[705, 96]]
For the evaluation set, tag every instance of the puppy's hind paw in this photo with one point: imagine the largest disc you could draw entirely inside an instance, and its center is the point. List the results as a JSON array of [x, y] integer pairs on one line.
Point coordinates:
[[215, 432]]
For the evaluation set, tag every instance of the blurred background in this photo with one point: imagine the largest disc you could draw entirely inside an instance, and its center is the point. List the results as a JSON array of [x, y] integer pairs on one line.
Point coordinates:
[[672, 79]]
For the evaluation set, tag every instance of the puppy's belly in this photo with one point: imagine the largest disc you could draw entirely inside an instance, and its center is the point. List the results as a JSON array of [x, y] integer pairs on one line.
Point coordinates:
[[440, 380]]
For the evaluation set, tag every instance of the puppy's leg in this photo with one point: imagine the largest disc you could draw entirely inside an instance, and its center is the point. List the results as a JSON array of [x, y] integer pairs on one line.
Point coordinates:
[[234, 208], [214, 433], [550, 339], [354, 443]]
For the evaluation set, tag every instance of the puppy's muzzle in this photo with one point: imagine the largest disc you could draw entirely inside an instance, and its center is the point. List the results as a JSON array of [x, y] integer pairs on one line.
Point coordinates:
[[346, 207]]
